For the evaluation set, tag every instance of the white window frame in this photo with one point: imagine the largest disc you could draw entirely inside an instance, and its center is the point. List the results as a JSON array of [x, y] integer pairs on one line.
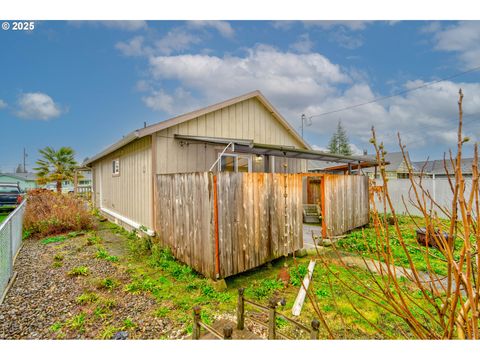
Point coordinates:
[[235, 161], [116, 167]]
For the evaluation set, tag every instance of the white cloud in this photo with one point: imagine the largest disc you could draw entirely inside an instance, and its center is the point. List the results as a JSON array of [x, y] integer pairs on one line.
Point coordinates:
[[294, 79], [303, 44], [346, 40], [462, 38], [176, 40], [353, 25], [328, 24], [310, 83], [223, 27], [38, 106], [3, 104], [126, 25], [133, 47], [180, 101]]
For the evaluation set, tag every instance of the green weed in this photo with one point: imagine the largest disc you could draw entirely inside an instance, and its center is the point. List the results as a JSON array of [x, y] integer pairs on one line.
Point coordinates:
[[58, 257], [128, 324], [297, 274], [263, 288], [107, 283], [103, 254], [77, 322], [79, 271], [162, 312], [56, 327], [54, 239], [86, 298]]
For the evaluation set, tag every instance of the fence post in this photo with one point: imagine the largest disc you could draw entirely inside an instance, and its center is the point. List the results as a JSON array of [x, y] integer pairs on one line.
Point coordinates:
[[196, 325], [272, 314], [10, 232], [240, 310], [227, 332], [314, 333]]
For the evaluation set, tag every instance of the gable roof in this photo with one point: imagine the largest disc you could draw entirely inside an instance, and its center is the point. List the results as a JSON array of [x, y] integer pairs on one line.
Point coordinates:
[[139, 133]]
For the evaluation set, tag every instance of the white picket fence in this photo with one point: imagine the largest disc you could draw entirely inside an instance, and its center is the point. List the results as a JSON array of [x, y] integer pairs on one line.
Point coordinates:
[[11, 231], [403, 197]]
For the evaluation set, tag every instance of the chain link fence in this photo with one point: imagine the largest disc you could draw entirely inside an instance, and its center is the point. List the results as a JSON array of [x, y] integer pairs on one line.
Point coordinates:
[[10, 242]]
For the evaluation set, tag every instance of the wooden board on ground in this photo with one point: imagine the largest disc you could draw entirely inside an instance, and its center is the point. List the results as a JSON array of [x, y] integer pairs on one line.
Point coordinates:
[[297, 306]]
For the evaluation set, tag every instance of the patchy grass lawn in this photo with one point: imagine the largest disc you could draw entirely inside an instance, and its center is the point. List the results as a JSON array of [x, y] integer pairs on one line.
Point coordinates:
[[109, 280], [364, 242], [177, 289]]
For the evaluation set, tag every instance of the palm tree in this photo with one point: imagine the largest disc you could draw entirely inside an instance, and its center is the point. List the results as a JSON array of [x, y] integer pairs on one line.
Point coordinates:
[[56, 166]]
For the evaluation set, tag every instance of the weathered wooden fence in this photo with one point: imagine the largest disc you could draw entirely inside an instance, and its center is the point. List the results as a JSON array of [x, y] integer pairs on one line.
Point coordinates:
[[228, 223], [231, 222], [346, 203]]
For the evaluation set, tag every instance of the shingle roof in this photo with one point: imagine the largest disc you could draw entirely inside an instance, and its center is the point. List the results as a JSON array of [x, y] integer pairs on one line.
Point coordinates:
[[395, 160], [437, 167]]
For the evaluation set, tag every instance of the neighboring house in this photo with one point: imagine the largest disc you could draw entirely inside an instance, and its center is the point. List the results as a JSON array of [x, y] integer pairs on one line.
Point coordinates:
[[441, 168], [396, 168], [332, 167], [68, 186], [25, 180], [243, 134]]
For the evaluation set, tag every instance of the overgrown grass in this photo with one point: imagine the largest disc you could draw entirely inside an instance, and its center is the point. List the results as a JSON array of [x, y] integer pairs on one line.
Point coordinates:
[[103, 254]]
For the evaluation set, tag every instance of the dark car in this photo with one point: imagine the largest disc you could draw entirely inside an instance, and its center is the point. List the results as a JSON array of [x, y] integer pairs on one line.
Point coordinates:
[[10, 194]]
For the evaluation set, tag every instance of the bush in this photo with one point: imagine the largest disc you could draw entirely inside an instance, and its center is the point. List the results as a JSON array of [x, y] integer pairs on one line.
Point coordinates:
[[49, 213]]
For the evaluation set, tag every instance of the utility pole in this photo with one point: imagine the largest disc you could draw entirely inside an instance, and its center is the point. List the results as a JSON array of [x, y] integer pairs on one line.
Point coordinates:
[[305, 122], [24, 160]]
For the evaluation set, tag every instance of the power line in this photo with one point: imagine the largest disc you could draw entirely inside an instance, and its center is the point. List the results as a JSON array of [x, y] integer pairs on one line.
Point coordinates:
[[396, 94]]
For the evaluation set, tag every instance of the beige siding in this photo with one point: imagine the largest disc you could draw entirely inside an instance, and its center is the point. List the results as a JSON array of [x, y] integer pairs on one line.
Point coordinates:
[[130, 193], [248, 119]]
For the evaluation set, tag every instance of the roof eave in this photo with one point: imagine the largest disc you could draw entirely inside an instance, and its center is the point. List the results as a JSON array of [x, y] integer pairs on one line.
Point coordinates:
[[124, 141]]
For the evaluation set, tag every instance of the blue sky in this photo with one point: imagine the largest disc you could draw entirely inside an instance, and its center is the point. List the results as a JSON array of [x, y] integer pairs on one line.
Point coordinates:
[[86, 84]]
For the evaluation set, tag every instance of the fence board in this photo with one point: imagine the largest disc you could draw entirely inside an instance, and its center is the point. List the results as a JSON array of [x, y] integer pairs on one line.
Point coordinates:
[[346, 203]]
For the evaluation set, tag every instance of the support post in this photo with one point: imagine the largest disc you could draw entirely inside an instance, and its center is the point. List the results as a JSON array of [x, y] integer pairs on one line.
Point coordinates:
[[196, 325], [272, 314], [241, 310], [314, 333], [227, 332]]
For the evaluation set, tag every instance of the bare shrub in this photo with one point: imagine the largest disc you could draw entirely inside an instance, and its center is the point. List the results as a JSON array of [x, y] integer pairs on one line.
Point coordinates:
[[431, 306], [49, 213]]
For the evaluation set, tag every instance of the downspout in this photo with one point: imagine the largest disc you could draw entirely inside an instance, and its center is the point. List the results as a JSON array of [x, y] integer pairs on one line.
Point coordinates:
[[215, 218]]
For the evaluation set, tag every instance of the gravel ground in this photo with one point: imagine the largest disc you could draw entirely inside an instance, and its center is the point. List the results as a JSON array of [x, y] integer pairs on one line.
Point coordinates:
[[42, 301]]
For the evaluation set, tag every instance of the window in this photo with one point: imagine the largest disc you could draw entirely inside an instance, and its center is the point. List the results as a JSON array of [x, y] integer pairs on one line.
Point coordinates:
[[235, 163], [116, 167]]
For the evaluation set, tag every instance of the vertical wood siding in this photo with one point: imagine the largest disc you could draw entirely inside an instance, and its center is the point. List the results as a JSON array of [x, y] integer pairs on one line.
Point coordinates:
[[251, 221], [248, 119], [346, 203], [130, 193]]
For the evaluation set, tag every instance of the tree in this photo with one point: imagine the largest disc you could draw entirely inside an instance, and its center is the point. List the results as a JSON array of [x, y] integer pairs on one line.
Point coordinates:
[[339, 143], [56, 166]]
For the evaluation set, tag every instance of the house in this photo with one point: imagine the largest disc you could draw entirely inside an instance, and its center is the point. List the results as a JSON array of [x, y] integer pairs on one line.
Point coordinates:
[[396, 167], [149, 179], [26, 180], [442, 169]]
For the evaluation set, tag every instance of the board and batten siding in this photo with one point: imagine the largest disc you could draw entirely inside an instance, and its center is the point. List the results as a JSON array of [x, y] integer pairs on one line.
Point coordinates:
[[130, 193], [248, 120]]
